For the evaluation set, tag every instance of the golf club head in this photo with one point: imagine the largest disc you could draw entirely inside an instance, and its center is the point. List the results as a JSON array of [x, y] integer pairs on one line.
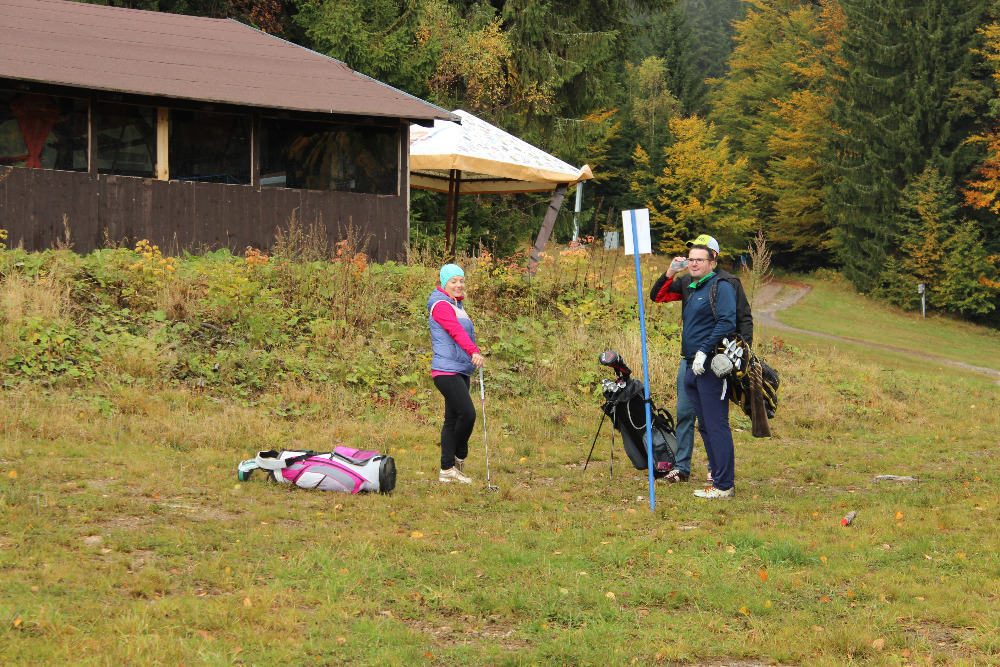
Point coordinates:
[[614, 360]]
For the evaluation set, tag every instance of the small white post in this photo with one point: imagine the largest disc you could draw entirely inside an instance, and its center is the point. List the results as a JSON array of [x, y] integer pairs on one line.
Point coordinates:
[[923, 300]]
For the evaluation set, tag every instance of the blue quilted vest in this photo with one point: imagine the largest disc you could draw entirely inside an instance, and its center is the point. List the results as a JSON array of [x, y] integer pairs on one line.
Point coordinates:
[[449, 357]]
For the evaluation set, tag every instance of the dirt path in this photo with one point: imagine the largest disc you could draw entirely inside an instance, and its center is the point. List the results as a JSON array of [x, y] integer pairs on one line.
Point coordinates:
[[778, 295]]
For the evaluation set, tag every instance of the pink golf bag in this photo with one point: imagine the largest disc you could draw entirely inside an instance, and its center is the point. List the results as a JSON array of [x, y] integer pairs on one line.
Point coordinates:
[[344, 470]]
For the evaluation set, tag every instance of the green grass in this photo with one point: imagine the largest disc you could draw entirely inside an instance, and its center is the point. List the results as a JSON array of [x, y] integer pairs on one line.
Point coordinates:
[[128, 540], [833, 307]]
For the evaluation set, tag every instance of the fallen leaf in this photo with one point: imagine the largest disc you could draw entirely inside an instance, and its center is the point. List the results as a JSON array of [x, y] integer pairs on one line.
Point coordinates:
[[12, 474], [246, 602], [17, 622], [341, 640], [823, 558], [762, 574], [204, 635], [878, 644], [899, 515], [744, 610], [416, 534], [609, 595]]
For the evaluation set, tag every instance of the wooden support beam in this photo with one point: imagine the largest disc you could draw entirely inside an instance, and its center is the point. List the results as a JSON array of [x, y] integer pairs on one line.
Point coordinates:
[[547, 224], [255, 149], [92, 134], [162, 144]]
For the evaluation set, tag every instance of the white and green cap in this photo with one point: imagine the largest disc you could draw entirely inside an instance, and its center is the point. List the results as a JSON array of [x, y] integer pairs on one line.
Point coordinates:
[[705, 240]]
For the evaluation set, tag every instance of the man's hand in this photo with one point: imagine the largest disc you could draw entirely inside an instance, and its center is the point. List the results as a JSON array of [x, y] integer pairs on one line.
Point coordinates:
[[676, 266], [698, 365]]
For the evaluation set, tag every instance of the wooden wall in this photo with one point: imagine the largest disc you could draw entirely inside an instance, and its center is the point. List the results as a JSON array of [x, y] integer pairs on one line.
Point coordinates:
[[178, 215]]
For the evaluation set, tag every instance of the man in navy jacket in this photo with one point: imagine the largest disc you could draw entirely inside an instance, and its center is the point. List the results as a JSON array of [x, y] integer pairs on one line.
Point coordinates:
[[703, 329]]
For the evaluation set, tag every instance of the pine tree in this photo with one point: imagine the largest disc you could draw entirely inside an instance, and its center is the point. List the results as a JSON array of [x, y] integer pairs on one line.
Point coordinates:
[[374, 37], [905, 96], [671, 41], [940, 250], [712, 31]]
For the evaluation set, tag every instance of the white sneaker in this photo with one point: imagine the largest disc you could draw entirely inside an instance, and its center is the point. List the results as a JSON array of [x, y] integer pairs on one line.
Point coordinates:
[[454, 475], [460, 464], [713, 493]]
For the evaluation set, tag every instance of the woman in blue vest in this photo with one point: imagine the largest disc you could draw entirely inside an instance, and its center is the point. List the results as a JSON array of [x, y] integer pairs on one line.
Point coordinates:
[[456, 357]]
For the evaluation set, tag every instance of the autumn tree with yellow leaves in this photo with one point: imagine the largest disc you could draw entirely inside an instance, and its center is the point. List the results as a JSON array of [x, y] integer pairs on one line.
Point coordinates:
[[703, 187]]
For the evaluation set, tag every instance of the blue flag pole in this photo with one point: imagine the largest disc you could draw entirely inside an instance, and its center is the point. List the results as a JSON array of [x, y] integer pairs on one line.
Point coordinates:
[[645, 364]]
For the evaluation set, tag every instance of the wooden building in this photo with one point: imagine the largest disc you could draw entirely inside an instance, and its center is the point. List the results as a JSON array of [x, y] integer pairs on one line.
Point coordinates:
[[193, 133]]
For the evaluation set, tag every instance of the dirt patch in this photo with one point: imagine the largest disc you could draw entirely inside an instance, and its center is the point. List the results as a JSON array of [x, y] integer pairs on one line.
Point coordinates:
[[953, 643], [200, 512], [467, 631]]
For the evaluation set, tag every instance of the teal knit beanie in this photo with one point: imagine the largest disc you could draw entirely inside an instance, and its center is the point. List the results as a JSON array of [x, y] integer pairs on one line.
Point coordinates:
[[449, 271]]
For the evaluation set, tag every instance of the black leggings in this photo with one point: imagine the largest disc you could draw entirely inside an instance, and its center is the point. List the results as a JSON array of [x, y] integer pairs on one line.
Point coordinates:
[[459, 417]]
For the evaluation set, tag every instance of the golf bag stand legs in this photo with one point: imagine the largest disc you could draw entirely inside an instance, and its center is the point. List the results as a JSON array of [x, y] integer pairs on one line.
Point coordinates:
[[611, 472], [594, 443]]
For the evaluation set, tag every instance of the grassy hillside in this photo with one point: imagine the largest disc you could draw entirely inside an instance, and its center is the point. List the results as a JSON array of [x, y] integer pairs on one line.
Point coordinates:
[[134, 385], [834, 307]]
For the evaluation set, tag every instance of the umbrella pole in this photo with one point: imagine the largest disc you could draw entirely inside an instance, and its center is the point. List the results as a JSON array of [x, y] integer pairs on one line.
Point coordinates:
[[454, 213], [447, 215]]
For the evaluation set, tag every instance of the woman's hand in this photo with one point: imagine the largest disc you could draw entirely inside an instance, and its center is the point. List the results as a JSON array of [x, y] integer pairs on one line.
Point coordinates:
[[478, 361]]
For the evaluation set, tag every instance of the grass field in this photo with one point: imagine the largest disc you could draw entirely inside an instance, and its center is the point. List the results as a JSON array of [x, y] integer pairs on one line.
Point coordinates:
[[127, 538]]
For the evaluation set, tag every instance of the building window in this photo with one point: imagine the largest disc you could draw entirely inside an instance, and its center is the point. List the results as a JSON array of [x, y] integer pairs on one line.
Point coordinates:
[[43, 132], [328, 156], [126, 140], [209, 147]]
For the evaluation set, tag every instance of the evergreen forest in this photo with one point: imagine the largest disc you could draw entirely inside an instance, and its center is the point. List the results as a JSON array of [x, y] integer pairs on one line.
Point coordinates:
[[859, 135]]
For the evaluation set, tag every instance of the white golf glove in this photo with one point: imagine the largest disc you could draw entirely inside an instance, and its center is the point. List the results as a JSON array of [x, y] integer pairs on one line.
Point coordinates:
[[698, 365]]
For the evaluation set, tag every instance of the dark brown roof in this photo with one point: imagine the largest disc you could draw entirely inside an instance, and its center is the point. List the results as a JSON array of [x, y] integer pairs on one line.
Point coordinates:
[[186, 57]]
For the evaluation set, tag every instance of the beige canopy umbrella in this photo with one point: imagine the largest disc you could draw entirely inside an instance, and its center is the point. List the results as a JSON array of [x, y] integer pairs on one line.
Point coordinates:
[[475, 157]]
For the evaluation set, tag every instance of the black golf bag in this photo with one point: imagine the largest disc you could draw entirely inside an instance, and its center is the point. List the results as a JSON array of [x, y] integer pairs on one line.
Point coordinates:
[[624, 403]]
